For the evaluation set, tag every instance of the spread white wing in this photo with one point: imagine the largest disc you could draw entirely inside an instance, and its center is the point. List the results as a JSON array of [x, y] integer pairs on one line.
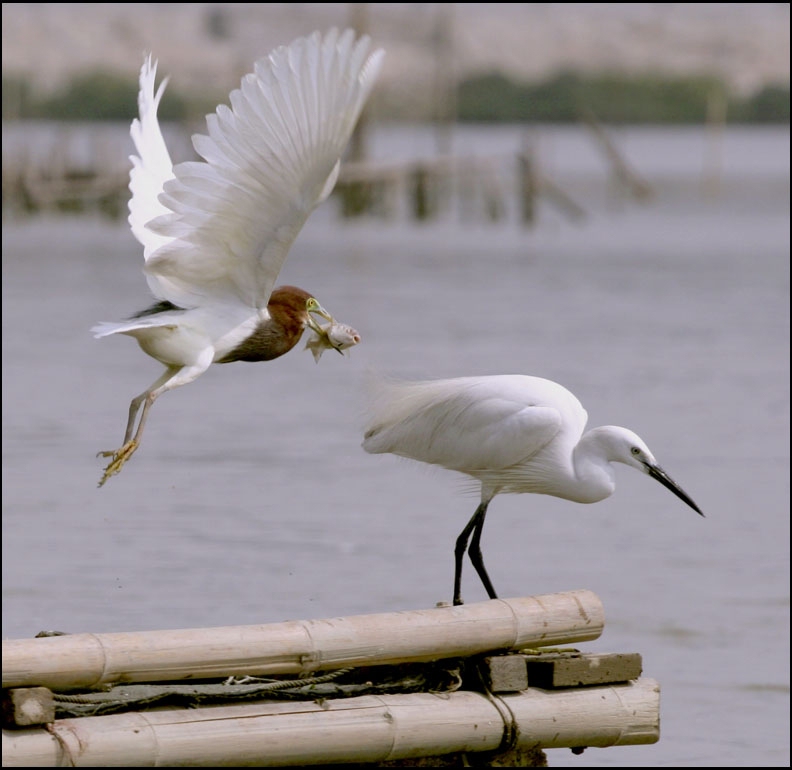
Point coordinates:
[[152, 167], [219, 230]]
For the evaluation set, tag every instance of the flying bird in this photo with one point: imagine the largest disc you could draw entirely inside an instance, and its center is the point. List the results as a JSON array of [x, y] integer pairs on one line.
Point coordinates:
[[511, 433], [216, 232]]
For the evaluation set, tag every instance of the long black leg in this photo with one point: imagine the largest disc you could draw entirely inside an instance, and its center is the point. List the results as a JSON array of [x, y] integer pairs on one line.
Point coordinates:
[[475, 523], [474, 552]]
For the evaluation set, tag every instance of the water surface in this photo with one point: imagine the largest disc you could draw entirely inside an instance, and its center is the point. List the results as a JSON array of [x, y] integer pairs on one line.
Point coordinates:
[[250, 500]]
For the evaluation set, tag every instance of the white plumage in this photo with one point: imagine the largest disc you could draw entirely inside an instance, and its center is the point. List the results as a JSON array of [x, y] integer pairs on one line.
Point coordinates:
[[513, 434]]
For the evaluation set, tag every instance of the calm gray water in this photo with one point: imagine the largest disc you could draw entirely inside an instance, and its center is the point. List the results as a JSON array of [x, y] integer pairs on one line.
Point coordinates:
[[251, 501]]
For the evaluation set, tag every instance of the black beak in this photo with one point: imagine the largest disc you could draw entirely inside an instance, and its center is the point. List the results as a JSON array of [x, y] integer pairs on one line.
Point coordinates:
[[656, 472]]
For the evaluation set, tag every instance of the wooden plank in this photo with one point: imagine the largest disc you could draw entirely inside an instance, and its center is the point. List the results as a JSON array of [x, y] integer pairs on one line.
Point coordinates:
[[573, 669], [299, 647], [505, 673], [514, 672], [27, 706], [345, 730]]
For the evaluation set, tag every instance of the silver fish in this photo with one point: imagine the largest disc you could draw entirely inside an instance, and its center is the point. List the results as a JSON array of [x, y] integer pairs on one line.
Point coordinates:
[[334, 336]]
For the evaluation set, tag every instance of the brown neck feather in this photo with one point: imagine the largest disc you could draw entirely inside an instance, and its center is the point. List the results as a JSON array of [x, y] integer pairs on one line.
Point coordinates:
[[280, 332]]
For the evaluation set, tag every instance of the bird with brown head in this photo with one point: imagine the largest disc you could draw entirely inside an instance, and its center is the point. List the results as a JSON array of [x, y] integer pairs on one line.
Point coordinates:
[[216, 232]]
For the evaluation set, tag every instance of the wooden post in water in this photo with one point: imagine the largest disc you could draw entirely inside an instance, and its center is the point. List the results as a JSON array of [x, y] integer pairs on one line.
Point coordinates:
[[526, 181], [627, 178], [424, 204], [713, 149], [531, 184], [356, 196]]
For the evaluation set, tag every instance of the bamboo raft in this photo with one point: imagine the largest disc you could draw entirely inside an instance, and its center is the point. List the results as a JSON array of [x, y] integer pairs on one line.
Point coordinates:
[[432, 685]]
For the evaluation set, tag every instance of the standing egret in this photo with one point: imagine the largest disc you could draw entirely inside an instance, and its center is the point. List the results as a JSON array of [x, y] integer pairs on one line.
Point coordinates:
[[216, 232], [514, 434]]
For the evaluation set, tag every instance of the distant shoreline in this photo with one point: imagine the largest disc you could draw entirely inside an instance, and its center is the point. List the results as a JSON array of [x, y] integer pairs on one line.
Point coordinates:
[[568, 98], [209, 46]]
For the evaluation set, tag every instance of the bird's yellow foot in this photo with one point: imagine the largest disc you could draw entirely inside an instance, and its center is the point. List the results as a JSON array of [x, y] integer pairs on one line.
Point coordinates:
[[120, 456]]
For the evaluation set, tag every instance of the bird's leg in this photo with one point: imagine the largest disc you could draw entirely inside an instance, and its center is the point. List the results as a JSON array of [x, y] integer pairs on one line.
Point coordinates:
[[121, 455], [476, 522], [133, 410], [474, 552]]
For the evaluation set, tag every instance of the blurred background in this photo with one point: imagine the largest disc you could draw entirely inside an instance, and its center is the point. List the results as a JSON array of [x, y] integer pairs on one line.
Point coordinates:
[[449, 67], [594, 193], [432, 48]]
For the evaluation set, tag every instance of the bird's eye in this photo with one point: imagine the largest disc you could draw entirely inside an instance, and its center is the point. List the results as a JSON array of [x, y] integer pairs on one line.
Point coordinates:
[[636, 451], [311, 304]]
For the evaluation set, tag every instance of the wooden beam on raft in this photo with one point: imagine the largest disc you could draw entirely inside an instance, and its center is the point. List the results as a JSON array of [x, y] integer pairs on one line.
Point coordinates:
[[76, 661], [366, 729]]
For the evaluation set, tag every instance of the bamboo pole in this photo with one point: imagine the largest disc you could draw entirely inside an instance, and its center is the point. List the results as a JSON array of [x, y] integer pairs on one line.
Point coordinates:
[[371, 728], [297, 647]]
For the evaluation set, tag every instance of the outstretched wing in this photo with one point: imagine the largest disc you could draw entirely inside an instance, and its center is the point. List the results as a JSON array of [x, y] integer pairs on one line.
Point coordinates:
[[269, 160], [151, 167]]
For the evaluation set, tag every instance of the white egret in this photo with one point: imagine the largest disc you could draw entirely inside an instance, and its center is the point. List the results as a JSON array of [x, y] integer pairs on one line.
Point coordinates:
[[216, 232], [512, 433]]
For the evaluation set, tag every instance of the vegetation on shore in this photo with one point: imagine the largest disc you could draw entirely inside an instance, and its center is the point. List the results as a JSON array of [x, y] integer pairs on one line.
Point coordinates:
[[564, 98], [616, 98]]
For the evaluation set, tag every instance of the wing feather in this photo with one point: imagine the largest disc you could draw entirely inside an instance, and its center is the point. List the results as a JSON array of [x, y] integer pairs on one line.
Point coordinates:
[[152, 166], [466, 424], [220, 228]]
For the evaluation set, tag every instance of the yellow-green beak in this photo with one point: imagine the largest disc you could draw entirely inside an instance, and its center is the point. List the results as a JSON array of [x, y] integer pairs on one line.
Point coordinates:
[[313, 306]]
